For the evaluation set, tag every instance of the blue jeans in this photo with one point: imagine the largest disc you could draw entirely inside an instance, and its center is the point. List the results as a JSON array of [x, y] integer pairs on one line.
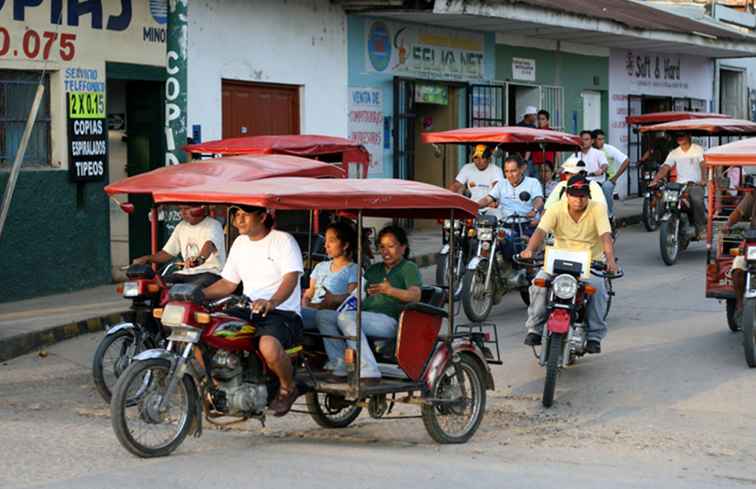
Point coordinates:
[[608, 188], [537, 313], [373, 324]]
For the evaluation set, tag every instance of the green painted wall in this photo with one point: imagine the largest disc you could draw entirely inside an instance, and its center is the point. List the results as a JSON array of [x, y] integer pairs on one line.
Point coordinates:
[[50, 244], [576, 74]]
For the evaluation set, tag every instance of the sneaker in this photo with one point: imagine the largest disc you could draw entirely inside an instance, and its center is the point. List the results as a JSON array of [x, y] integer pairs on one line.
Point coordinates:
[[533, 339], [593, 346]]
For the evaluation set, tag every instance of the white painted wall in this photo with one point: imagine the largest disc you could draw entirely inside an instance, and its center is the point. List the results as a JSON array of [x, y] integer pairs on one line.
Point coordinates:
[[299, 42]]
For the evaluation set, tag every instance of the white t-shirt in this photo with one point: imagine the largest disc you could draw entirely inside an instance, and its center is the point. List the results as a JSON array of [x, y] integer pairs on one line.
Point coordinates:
[[187, 240], [614, 156], [479, 183], [594, 160], [508, 196], [261, 265], [688, 163]]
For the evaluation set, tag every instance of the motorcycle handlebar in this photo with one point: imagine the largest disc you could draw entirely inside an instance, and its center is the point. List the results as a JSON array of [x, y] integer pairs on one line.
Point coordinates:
[[240, 300]]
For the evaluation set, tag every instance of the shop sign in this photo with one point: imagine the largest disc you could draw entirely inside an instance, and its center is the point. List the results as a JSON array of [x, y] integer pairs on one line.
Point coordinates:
[[424, 52], [432, 94], [366, 124], [87, 136], [524, 69]]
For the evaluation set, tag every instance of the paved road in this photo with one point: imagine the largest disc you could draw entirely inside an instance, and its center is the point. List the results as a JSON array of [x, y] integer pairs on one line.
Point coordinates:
[[668, 404]]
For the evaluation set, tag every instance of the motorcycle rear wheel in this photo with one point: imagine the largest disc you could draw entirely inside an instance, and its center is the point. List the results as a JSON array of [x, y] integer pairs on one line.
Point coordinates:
[[438, 418], [328, 412], [731, 322], [131, 410], [552, 368], [442, 272], [476, 301], [749, 347], [669, 244]]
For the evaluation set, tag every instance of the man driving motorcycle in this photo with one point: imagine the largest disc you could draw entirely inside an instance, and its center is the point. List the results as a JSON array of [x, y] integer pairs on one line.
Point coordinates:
[[688, 160], [508, 191], [577, 224], [199, 240], [268, 262]]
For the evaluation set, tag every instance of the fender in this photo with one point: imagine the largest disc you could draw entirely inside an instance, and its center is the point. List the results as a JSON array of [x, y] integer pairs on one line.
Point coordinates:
[[474, 262], [559, 321], [444, 250], [443, 355], [125, 326], [157, 353]]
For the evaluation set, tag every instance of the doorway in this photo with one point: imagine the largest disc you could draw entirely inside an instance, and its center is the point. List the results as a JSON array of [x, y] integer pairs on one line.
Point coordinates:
[[254, 109], [732, 93], [591, 110], [519, 98]]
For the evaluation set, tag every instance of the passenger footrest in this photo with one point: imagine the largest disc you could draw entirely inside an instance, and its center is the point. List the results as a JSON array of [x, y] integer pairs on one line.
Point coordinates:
[[486, 336]]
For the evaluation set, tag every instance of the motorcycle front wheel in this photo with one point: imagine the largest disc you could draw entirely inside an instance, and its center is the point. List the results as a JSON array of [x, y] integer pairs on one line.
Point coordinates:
[[459, 401], [552, 368], [331, 411], [112, 357], [748, 332], [139, 424], [669, 242], [477, 301]]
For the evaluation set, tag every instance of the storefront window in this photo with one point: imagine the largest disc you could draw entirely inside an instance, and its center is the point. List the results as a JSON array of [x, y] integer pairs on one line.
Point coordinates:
[[17, 89]]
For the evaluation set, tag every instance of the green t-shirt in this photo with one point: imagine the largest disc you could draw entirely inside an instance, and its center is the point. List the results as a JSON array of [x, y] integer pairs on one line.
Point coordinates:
[[403, 276]]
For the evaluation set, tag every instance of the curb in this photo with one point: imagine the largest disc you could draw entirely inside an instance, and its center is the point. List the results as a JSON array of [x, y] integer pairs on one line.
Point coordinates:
[[27, 342], [430, 259]]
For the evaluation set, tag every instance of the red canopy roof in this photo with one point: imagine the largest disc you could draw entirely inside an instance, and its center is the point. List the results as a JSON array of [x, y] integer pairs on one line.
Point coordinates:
[[510, 138], [375, 197], [706, 127], [293, 144], [660, 117], [223, 170], [738, 153]]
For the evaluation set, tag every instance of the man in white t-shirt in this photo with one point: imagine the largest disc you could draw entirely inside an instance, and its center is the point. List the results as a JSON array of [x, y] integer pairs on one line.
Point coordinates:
[[618, 163], [478, 177], [200, 241], [509, 191], [688, 160], [595, 161], [268, 263]]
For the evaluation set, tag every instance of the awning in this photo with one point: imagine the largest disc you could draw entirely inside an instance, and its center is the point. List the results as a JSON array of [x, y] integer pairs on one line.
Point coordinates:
[[738, 153], [222, 171], [375, 197], [706, 127], [660, 117], [510, 138]]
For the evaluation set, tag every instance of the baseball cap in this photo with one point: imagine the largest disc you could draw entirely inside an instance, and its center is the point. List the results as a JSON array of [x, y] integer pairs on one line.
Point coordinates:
[[530, 110], [578, 186], [479, 151], [573, 166]]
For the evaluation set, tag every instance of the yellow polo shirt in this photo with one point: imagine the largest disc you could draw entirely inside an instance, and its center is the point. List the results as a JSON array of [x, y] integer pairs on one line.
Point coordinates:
[[581, 235]]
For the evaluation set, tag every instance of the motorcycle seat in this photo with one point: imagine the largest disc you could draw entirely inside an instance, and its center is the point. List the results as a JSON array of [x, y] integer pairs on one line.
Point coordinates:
[[432, 295]]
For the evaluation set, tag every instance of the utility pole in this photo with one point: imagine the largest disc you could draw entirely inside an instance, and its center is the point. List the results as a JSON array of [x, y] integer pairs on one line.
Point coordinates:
[[176, 82]]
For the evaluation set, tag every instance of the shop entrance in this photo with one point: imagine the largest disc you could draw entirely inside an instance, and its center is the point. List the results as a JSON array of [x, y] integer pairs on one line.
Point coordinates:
[[733, 96], [135, 101], [519, 98]]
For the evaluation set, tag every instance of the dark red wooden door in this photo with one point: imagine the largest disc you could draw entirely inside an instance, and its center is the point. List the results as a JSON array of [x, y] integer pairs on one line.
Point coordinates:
[[252, 109]]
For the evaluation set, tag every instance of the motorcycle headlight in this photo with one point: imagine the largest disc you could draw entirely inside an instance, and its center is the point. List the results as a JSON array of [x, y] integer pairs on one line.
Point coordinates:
[[751, 253], [485, 234], [671, 196], [173, 315], [131, 289], [565, 286]]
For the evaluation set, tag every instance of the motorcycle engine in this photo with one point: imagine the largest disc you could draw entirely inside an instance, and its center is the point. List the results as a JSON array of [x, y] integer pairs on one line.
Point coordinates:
[[233, 396]]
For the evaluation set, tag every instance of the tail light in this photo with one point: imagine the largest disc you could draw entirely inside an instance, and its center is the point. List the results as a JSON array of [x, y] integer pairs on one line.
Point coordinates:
[[350, 356]]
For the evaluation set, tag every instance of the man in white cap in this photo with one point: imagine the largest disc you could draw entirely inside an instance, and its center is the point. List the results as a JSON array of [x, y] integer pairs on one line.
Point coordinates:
[[529, 117], [574, 166]]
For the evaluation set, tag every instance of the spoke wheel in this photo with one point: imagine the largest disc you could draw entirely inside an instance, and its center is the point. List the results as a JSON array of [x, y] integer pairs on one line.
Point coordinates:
[[650, 214], [112, 357], [459, 402], [669, 242], [749, 340], [477, 301], [442, 272], [139, 424], [552, 368], [331, 411]]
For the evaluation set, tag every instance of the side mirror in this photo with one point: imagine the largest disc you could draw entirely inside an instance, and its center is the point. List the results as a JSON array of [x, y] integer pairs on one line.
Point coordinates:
[[525, 196], [127, 207]]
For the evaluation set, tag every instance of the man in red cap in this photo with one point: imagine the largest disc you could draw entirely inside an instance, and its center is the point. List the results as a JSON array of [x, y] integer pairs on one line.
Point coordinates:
[[578, 224]]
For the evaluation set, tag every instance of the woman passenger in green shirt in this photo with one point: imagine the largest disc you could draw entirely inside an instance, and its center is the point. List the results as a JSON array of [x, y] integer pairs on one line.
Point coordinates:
[[390, 285]]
